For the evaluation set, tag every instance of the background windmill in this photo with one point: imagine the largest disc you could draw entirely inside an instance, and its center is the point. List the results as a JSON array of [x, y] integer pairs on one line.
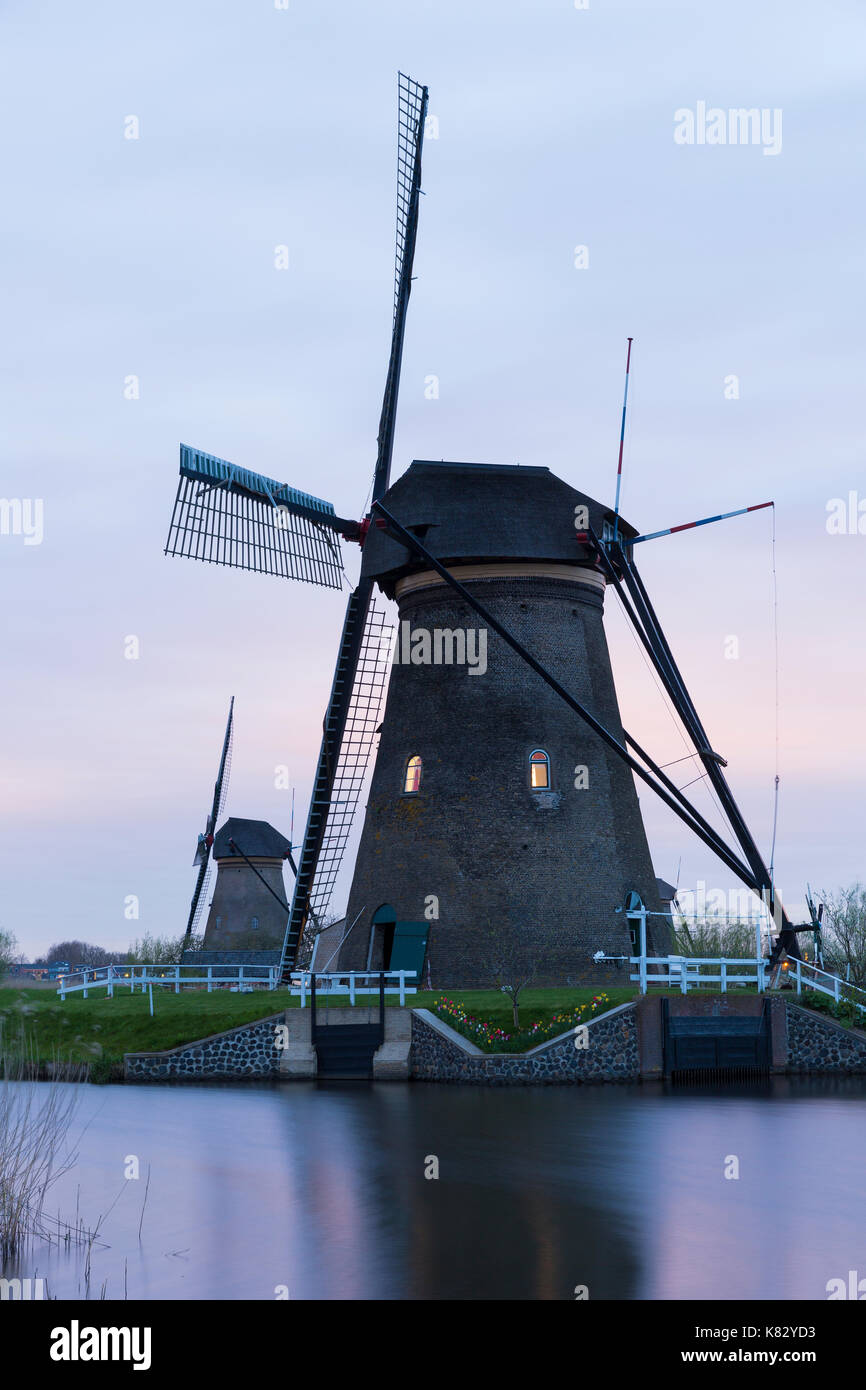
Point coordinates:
[[205, 840], [229, 515]]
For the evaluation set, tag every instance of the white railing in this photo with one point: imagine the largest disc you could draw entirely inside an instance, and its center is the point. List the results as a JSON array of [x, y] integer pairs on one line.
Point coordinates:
[[690, 972], [349, 984], [806, 974], [240, 978], [694, 972]]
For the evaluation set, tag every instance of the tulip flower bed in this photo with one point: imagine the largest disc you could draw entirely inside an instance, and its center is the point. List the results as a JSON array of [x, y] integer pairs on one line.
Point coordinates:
[[492, 1034]]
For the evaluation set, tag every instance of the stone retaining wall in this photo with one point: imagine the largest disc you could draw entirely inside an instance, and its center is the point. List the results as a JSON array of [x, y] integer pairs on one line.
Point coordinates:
[[804, 1042], [440, 1054], [247, 1051], [817, 1044]]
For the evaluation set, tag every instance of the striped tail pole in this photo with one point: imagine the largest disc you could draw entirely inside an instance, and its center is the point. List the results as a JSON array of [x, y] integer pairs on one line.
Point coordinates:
[[705, 521], [621, 440]]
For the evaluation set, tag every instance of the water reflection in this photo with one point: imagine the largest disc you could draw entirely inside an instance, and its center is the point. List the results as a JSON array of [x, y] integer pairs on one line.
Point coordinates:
[[621, 1189]]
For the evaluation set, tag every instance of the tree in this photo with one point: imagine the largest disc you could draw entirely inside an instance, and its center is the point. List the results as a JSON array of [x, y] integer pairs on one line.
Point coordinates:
[[513, 967], [706, 936], [76, 953], [8, 955], [844, 933], [160, 950]]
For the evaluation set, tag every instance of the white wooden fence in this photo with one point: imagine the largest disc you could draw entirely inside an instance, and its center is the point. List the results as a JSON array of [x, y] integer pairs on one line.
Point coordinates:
[[352, 983], [691, 972], [239, 978], [697, 972]]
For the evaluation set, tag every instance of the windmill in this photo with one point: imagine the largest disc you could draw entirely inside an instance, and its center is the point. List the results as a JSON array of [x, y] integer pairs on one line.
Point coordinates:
[[229, 515], [205, 840], [499, 542]]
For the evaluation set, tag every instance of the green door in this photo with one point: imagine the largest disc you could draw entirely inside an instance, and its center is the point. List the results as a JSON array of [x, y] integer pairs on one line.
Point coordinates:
[[409, 948]]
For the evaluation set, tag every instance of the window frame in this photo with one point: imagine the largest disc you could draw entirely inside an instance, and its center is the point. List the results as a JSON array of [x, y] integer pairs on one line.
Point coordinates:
[[407, 790], [533, 761]]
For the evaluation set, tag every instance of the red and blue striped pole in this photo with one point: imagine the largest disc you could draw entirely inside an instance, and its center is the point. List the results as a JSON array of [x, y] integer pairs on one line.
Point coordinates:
[[621, 440], [687, 525]]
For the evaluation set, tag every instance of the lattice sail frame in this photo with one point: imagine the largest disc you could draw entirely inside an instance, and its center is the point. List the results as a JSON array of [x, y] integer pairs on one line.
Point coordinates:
[[227, 515], [362, 721], [411, 111]]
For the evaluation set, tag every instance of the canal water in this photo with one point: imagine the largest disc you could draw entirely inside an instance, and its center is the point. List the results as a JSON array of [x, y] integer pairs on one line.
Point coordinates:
[[260, 1191]]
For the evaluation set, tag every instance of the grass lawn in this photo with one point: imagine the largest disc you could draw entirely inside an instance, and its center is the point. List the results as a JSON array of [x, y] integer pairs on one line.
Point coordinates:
[[79, 1029], [82, 1030]]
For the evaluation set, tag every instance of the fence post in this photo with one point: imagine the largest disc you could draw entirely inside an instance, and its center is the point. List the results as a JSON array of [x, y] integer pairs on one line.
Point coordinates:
[[724, 976], [210, 979], [84, 973], [402, 988], [643, 950], [177, 979], [836, 988], [351, 987]]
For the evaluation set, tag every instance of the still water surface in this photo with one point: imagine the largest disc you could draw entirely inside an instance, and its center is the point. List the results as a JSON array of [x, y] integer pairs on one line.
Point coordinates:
[[618, 1188]]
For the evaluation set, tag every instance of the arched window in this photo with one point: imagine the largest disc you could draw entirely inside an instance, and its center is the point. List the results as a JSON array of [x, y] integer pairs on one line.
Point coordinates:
[[412, 781], [539, 770], [255, 924]]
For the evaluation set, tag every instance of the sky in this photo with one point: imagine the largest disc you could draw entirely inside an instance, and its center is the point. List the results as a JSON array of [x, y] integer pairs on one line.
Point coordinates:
[[143, 307]]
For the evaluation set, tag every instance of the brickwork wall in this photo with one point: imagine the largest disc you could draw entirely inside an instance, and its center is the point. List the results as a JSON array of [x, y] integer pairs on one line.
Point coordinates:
[[516, 872]]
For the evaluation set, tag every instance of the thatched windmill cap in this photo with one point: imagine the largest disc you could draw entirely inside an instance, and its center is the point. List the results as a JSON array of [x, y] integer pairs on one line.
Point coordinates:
[[467, 513], [256, 838]]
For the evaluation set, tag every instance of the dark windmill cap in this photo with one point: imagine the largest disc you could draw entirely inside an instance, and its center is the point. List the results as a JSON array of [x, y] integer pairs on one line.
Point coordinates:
[[466, 513], [256, 838]]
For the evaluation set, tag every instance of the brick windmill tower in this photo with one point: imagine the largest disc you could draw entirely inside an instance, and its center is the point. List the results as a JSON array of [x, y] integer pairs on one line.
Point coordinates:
[[503, 824], [496, 822]]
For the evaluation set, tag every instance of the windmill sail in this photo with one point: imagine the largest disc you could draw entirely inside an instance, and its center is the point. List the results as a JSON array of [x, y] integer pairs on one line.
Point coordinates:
[[231, 516], [203, 848], [411, 115], [329, 819], [349, 733]]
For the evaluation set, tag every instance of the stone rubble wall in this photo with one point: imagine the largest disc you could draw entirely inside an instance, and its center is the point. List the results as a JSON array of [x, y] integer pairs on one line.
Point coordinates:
[[247, 1051], [810, 1044], [440, 1054], [817, 1044]]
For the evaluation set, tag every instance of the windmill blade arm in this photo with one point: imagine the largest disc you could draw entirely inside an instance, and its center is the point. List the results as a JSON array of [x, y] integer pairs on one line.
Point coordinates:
[[197, 903], [350, 726], [221, 786], [230, 516], [411, 115]]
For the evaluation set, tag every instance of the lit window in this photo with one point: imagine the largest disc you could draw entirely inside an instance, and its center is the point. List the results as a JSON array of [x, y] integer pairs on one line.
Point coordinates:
[[255, 923], [539, 770], [412, 781]]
